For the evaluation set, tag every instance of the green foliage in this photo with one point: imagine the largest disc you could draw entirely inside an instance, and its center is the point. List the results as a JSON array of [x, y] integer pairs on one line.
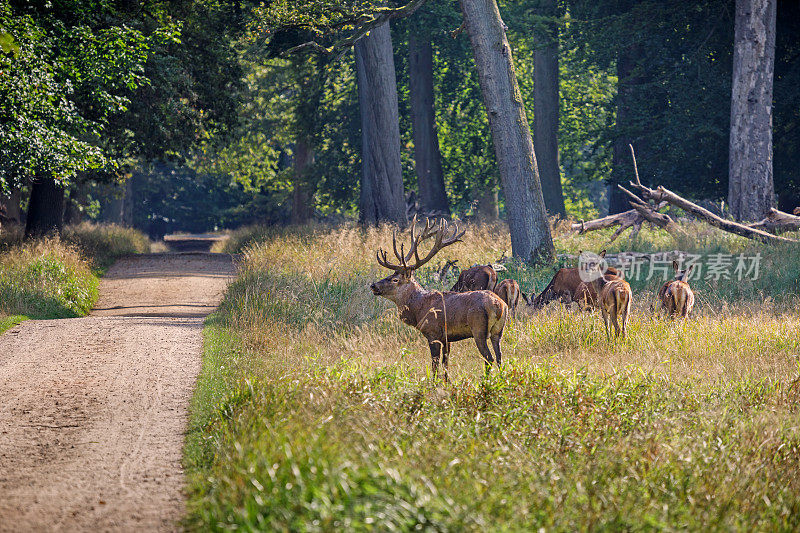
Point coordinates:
[[8, 322], [46, 279]]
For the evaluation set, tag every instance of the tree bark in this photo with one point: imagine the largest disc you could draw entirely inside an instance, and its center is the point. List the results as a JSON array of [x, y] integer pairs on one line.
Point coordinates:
[[620, 157], [545, 110], [531, 240], [45, 208], [751, 189], [10, 205], [382, 197], [427, 158], [302, 208]]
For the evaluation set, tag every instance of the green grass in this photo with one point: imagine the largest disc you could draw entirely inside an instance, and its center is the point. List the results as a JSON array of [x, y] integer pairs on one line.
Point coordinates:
[[46, 279], [58, 277], [315, 410], [8, 322]]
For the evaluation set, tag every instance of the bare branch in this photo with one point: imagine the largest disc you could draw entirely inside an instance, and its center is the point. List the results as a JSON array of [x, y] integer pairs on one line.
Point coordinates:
[[635, 167]]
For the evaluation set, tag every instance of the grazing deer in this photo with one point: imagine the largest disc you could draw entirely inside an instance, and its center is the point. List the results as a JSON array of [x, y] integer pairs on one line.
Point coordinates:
[[476, 278], [614, 298], [676, 297], [568, 286], [442, 317], [508, 291]]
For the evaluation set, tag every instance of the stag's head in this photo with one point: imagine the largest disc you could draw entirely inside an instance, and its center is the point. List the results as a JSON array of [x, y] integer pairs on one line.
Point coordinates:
[[393, 286]]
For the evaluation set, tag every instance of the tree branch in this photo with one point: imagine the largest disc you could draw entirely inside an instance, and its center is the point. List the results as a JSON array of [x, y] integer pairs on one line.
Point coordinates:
[[382, 16]]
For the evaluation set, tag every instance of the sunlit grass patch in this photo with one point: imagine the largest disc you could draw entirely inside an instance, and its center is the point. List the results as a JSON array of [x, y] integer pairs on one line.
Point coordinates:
[[46, 279], [7, 322], [318, 412], [105, 243]]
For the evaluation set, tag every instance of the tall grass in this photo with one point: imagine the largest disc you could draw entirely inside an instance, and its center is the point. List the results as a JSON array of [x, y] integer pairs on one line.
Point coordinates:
[[103, 244], [46, 279], [57, 277], [315, 410]]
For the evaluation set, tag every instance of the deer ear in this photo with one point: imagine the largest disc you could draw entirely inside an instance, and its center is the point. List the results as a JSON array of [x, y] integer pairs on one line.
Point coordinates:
[[689, 271], [675, 265], [602, 254]]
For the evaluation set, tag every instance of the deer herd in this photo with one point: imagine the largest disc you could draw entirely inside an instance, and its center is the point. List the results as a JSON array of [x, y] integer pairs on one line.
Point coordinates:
[[478, 307]]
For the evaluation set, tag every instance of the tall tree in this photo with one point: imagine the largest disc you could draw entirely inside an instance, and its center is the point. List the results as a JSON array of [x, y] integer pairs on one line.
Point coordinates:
[[427, 157], [545, 107], [531, 240], [382, 197], [620, 158], [750, 183]]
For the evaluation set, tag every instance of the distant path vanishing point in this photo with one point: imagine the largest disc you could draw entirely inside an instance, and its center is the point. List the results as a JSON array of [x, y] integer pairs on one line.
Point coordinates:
[[93, 411]]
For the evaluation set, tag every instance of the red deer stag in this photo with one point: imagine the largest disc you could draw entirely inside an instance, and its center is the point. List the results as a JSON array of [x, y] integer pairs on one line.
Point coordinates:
[[442, 317], [476, 278], [568, 287], [677, 298]]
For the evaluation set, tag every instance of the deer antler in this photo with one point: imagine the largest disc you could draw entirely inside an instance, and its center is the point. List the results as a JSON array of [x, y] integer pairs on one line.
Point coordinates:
[[439, 229]]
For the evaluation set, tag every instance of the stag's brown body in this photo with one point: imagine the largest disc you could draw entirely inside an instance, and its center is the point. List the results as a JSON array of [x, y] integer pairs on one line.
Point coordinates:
[[476, 278], [614, 298], [442, 317], [676, 296], [508, 291]]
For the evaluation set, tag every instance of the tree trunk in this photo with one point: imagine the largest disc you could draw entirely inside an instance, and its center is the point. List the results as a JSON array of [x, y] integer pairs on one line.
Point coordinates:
[[621, 164], [545, 111], [302, 208], [45, 209], [427, 158], [11, 205], [750, 187], [527, 218], [382, 197]]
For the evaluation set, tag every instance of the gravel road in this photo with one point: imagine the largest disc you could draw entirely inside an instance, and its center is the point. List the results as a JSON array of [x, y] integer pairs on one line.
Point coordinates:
[[94, 410]]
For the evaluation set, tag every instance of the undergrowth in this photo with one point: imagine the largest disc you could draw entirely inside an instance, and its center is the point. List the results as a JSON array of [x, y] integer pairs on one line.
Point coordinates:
[[46, 279], [315, 410], [58, 277]]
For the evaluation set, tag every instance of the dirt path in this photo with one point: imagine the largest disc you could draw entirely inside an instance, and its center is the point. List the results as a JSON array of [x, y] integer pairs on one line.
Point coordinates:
[[94, 409]]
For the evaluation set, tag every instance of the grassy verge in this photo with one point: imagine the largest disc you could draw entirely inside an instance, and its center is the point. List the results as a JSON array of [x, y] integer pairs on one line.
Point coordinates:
[[58, 278], [46, 279], [8, 322], [314, 410]]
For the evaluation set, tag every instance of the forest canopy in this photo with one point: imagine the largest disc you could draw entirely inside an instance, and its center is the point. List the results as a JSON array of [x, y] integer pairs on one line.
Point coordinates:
[[200, 115]]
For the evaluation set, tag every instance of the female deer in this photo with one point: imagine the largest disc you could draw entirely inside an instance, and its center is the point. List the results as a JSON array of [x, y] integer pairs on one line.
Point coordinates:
[[676, 297]]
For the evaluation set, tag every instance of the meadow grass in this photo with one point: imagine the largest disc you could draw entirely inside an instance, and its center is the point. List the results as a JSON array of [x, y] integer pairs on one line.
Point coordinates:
[[315, 409], [46, 279], [9, 321], [103, 244], [58, 277]]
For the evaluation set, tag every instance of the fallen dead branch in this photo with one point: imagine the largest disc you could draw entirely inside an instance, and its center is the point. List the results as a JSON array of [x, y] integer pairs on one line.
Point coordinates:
[[662, 194], [778, 220]]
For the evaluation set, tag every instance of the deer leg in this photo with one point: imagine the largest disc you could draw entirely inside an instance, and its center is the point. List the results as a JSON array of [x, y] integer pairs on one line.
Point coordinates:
[[605, 322], [616, 324], [436, 348], [483, 348], [445, 359], [496, 346]]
